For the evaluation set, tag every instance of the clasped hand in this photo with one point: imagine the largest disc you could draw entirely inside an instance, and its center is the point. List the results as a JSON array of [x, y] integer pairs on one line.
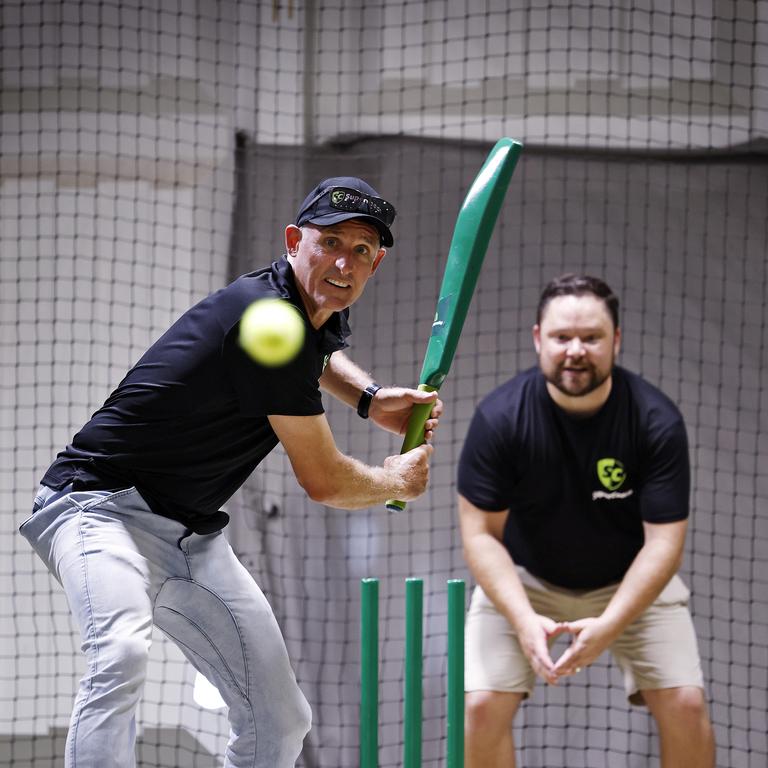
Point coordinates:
[[590, 637]]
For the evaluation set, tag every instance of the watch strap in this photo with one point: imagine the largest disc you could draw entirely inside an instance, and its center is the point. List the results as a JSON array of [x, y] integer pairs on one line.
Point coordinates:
[[365, 399]]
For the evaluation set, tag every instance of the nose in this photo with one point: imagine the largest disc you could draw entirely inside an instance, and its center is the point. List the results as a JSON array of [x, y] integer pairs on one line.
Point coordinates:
[[575, 348], [344, 262]]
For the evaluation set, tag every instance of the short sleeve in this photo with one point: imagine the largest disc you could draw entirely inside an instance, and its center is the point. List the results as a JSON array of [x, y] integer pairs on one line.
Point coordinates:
[[484, 472], [664, 496], [288, 390]]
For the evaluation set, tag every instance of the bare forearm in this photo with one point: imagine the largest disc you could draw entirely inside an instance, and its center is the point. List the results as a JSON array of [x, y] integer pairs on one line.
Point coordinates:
[[355, 485], [494, 570], [492, 566], [344, 379], [655, 564], [333, 478]]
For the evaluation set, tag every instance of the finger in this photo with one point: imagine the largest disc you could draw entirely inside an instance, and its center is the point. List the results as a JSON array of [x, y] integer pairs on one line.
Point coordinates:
[[543, 670], [421, 396], [568, 671], [568, 664], [556, 631], [545, 667], [565, 658], [550, 675], [427, 448], [574, 627]]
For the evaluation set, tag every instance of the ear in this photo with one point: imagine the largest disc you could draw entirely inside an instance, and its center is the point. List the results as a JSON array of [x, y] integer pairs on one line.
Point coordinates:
[[616, 341], [537, 338], [377, 259], [292, 239]]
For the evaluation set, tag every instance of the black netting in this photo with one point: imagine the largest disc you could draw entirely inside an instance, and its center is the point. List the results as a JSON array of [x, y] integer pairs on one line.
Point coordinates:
[[151, 152]]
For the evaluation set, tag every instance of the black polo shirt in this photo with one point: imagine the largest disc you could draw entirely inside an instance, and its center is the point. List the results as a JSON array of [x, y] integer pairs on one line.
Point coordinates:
[[578, 490], [188, 423]]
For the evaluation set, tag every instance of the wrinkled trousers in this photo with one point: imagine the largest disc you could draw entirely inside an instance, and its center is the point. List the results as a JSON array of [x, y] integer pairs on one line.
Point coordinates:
[[125, 569]]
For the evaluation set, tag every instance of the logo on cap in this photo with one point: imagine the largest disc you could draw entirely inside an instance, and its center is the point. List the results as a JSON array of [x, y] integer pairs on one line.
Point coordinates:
[[341, 198]]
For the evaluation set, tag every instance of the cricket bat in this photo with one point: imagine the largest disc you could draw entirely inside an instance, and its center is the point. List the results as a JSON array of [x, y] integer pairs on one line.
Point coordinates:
[[474, 226]]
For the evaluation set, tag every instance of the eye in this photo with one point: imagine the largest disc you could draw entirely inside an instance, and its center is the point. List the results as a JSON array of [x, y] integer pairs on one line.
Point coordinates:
[[331, 242], [363, 250]]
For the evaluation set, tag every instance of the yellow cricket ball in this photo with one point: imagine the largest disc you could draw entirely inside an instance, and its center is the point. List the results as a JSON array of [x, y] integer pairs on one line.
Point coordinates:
[[272, 331]]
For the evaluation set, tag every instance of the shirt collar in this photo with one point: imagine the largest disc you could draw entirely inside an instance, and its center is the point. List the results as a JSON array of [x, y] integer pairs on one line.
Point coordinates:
[[335, 331]]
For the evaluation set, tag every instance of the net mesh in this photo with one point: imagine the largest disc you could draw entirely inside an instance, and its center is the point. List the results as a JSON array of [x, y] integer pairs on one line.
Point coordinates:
[[151, 152]]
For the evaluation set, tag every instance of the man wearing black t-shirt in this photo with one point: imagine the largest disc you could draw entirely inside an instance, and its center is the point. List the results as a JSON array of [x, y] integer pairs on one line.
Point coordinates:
[[573, 502], [128, 517]]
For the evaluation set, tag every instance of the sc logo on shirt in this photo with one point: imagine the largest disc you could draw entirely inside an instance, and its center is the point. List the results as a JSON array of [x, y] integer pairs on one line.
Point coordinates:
[[611, 473]]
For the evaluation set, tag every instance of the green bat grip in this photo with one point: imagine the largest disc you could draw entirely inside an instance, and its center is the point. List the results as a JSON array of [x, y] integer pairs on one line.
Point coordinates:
[[414, 436]]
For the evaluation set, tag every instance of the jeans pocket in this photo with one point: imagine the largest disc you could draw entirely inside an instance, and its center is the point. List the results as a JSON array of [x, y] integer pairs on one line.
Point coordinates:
[[39, 525], [86, 500], [27, 521], [41, 497]]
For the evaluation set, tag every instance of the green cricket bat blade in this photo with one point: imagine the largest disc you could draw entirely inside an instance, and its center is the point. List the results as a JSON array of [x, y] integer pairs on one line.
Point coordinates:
[[474, 227]]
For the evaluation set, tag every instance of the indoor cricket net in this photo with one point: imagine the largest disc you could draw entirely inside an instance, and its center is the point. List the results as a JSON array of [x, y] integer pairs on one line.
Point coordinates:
[[149, 153]]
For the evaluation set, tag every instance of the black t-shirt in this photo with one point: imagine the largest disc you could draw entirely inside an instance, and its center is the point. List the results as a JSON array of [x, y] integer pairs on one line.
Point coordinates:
[[188, 423], [578, 490]]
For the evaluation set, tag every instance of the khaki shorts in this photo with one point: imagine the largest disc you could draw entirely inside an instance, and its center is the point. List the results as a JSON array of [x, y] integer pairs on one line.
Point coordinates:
[[658, 650]]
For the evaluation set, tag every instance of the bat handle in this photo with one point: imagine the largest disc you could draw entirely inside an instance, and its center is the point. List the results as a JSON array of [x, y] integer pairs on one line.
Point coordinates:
[[414, 436]]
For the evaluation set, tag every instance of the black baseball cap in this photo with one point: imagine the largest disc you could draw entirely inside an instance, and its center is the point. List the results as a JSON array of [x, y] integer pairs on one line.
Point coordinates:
[[347, 197]]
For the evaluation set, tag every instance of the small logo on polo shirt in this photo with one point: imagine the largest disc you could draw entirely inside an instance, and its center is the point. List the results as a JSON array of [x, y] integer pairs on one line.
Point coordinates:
[[611, 473]]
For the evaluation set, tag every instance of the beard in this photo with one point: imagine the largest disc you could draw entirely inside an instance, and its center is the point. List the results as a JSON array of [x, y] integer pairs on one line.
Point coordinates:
[[577, 383]]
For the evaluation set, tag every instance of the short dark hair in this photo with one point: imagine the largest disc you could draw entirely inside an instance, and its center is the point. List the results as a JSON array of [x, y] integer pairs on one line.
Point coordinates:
[[578, 285]]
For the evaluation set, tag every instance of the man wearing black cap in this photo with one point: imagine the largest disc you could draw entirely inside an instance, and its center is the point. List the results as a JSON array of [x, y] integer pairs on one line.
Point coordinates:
[[128, 516]]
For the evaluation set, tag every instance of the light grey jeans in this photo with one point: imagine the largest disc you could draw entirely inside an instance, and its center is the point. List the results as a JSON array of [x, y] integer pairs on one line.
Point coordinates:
[[124, 569]]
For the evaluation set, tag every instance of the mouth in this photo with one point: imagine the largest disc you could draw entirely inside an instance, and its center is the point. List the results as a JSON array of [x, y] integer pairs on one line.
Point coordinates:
[[571, 371], [337, 283]]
